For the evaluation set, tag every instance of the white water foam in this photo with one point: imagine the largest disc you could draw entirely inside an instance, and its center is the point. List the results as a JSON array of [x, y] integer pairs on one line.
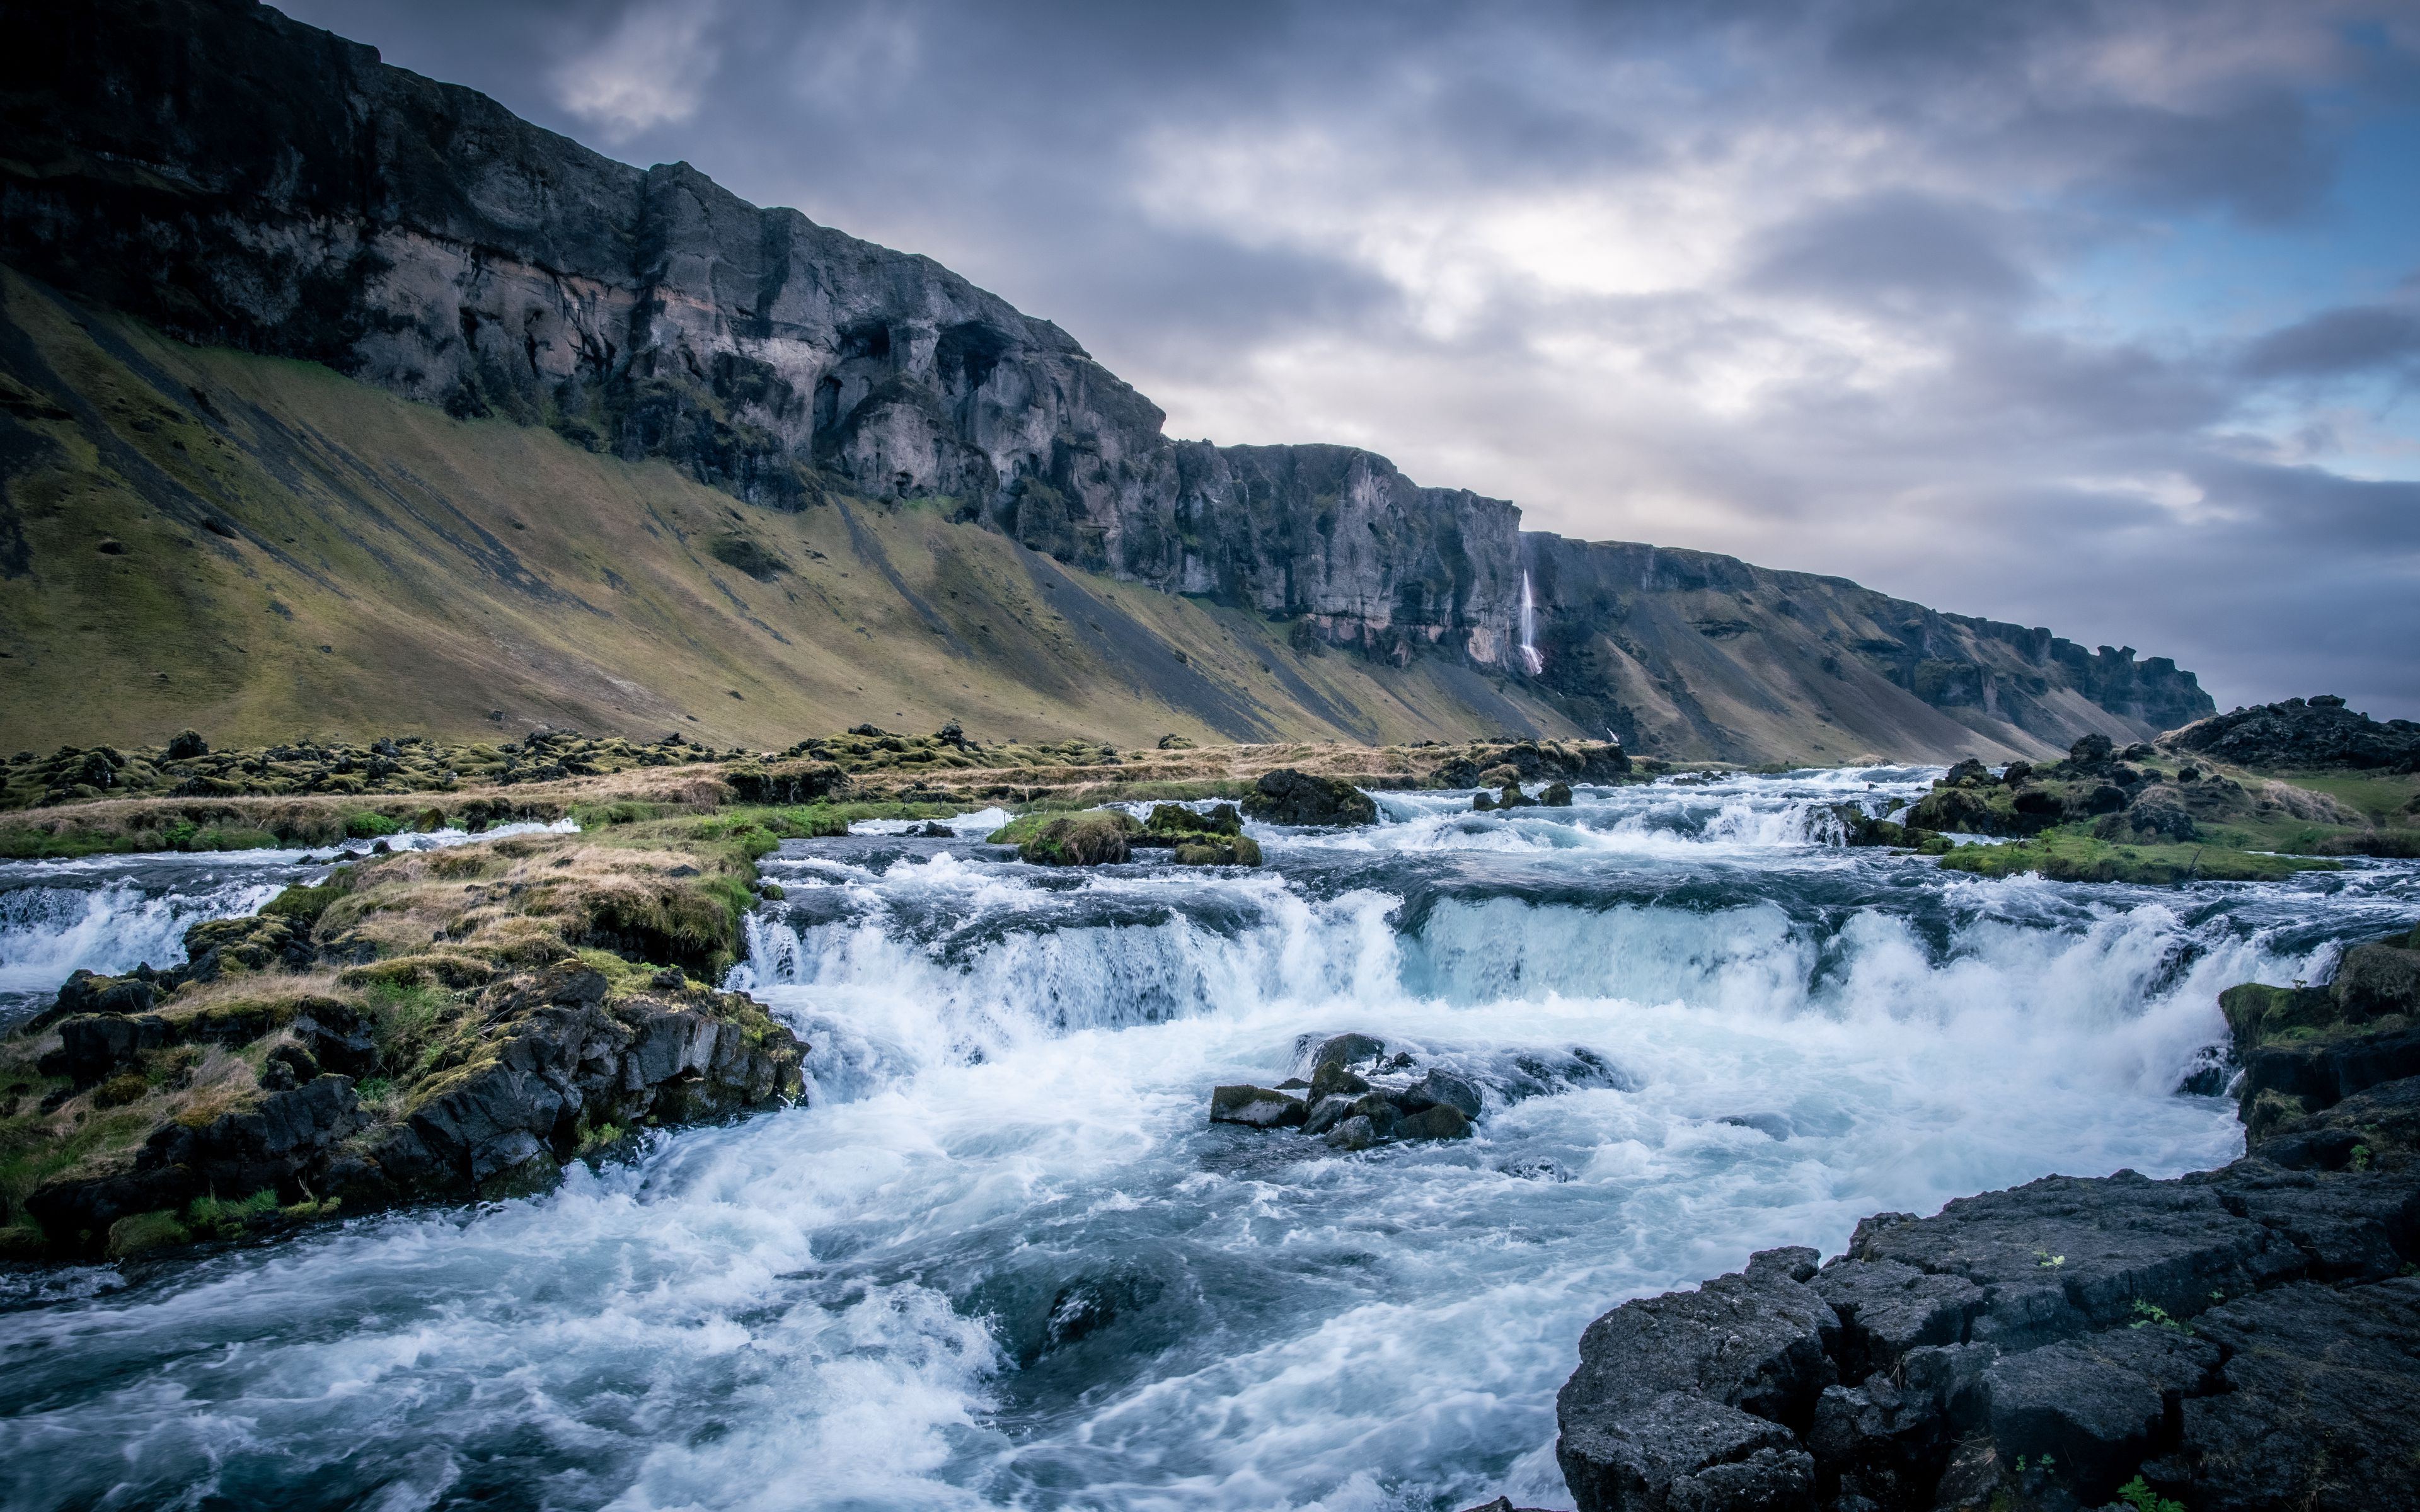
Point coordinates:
[[1002, 1261]]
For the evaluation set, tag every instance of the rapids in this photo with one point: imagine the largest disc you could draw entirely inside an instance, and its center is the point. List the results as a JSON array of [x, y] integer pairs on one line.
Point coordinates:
[[999, 1257]]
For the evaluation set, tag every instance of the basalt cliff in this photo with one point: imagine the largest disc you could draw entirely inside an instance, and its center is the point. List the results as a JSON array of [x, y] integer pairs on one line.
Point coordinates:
[[249, 185]]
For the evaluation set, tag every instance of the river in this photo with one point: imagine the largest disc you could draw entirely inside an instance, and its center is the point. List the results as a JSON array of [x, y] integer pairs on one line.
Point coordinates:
[[999, 1257]]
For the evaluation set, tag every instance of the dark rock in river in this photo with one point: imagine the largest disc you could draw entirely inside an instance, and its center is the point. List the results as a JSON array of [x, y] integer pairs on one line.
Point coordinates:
[[1286, 797], [1346, 1050], [1441, 1086], [1256, 1107]]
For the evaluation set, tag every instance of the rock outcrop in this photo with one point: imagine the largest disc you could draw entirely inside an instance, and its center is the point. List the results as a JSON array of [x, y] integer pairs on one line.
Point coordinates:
[[235, 177], [2236, 1340], [2314, 735], [327, 1054]]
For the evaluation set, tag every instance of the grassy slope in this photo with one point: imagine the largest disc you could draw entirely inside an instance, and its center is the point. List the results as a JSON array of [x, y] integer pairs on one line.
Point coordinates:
[[451, 568]]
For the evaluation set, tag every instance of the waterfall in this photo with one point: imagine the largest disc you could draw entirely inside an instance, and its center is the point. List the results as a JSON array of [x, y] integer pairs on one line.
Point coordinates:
[[1529, 657]]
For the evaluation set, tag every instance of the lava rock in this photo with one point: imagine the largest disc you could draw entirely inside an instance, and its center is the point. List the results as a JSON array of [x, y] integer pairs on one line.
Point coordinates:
[[1670, 1387], [2320, 1405], [1286, 797], [2302, 735], [2100, 1405], [1888, 1309], [1680, 1450], [2066, 1255]]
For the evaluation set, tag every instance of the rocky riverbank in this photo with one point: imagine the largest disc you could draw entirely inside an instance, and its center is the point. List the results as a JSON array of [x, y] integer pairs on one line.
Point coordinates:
[[2241, 1338], [421, 1026], [2328, 783]]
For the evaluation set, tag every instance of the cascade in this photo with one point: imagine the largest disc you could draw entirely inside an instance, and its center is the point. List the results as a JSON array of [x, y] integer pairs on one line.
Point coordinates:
[[1529, 657], [998, 1256]]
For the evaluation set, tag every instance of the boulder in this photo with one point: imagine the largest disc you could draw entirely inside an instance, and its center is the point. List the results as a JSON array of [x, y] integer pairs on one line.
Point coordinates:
[[1441, 1088], [1256, 1107], [258, 942], [1171, 822], [88, 992], [2379, 979], [91, 1046], [1440, 1122], [1329, 1078], [1240, 850], [1099, 838], [1355, 1132], [1327, 1112], [1346, 1050], [1557, 796], [1286, 797]]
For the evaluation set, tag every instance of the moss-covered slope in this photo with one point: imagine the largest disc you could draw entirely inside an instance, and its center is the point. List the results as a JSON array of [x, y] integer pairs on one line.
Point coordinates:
[[256, 548]]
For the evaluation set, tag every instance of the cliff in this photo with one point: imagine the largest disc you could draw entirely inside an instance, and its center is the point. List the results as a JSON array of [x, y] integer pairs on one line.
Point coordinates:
[[239, 181]]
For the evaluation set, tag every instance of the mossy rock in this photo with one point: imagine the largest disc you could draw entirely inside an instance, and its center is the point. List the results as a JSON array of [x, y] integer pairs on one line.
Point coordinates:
[[2257, 1013], [445, 968], [1176, 819], [1241, 850], [146, 1231], [1099, 838]]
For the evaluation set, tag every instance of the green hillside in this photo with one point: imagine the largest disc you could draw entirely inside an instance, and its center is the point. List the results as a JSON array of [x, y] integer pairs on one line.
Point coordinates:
[[256, 548]]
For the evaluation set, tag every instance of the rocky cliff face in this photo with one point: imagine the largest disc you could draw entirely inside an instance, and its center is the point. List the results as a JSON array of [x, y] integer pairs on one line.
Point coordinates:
[[238, 178]]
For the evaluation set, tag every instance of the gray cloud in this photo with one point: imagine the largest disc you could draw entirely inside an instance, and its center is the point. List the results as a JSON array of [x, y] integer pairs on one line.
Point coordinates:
[[1825, 282], [2337, 342], [1894, 247]]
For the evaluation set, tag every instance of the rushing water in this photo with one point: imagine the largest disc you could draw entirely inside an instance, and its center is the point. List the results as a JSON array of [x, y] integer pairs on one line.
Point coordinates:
[[1000, 1258], [114, 913]]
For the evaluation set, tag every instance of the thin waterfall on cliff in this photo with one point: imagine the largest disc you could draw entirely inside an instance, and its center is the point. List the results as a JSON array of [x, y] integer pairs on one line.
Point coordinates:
[[1529, 657]]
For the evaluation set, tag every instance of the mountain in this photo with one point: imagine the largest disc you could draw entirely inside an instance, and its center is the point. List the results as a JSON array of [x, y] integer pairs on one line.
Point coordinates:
[[660, 446]]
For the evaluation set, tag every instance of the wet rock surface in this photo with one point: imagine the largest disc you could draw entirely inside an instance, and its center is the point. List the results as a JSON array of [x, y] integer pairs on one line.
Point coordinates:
[[1354, 1091], [2241, 1338], [1289, 797]]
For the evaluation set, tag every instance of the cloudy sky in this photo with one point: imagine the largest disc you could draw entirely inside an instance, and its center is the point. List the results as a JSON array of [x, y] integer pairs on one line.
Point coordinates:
[[2105, 317]]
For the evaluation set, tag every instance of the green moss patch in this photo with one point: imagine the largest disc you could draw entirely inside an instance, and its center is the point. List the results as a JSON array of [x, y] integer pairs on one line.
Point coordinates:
[[2068, 855]]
